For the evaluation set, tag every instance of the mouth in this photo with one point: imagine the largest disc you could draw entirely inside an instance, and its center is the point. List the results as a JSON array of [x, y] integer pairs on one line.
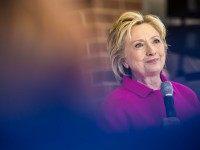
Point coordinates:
[[152, 61]]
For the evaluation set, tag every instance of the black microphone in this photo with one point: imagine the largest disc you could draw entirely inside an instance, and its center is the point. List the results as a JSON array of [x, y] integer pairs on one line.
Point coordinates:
[[167, 92]]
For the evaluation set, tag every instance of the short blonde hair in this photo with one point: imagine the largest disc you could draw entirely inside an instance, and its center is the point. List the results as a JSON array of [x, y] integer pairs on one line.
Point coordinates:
[[118, 33]]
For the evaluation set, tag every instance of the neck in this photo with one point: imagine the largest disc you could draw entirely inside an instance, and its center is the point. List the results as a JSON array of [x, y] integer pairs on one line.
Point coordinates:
[[152, 82]]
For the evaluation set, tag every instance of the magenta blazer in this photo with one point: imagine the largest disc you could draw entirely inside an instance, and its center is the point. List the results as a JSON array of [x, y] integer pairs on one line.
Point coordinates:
[[134, 105]]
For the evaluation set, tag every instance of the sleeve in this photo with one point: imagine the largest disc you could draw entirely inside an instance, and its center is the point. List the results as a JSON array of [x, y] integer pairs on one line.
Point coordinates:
[[195, 102], [192, 99]]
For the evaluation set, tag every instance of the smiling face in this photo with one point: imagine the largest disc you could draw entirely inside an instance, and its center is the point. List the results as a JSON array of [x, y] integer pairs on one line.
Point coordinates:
[[144, 51]]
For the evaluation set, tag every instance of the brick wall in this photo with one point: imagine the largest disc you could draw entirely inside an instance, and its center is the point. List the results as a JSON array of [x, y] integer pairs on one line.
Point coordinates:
[[97, 19]]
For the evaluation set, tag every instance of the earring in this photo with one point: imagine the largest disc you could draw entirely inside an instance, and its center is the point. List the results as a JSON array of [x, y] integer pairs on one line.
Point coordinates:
[[125, 65]]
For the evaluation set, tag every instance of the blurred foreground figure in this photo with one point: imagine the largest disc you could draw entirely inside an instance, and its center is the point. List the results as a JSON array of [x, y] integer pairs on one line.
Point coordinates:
[[41, 85], [146, 98], [40, 52]]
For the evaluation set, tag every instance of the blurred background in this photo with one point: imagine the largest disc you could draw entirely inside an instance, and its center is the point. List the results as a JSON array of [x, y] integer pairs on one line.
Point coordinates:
[[55, 70]]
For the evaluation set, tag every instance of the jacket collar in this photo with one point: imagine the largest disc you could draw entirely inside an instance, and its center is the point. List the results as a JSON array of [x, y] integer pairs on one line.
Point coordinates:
[[139, 88]]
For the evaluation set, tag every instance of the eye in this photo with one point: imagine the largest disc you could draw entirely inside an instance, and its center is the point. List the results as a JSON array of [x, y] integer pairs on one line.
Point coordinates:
[[139, 45], [155, 41]]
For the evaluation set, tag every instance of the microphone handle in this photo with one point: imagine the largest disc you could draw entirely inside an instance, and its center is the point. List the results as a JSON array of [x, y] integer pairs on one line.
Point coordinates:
[[169, 106], [171, 122]]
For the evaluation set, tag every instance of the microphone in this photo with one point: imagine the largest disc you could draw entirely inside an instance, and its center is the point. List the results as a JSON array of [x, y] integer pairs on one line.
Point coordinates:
[[167, 92]]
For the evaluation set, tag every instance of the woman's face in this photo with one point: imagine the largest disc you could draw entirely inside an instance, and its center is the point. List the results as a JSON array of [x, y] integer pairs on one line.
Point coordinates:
[[144, 51]]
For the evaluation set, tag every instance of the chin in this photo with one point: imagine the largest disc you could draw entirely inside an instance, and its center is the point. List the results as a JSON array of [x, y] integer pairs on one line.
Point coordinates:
[[154, 68], [153, 71]]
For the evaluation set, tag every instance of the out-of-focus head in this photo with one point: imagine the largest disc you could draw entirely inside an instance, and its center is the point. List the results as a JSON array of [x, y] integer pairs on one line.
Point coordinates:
[[121, 31]]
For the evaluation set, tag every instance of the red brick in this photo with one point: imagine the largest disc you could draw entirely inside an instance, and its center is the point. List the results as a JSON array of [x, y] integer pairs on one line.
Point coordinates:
[[114, 4], [133, 5], [89, 16], [108, 18], [97, 64]]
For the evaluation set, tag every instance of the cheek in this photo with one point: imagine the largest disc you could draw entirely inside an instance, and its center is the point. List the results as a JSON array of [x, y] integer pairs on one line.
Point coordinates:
[[163, 58], [163, 54], [135, 58], [161, 51]]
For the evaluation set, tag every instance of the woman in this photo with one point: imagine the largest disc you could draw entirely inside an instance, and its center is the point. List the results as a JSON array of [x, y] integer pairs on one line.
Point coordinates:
[[137, 49]]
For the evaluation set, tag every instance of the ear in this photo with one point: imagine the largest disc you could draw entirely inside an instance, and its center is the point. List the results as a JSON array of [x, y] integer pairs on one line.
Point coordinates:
[[125, 64]]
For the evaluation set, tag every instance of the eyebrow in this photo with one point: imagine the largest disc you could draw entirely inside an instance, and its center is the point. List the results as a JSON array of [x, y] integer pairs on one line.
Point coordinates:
[[143, 40]]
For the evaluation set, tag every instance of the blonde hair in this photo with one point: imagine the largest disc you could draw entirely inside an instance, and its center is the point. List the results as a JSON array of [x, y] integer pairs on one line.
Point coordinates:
[[120, 29]]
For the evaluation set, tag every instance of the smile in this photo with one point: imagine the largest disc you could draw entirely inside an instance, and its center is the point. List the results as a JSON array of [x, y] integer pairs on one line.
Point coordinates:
[[152, 61]]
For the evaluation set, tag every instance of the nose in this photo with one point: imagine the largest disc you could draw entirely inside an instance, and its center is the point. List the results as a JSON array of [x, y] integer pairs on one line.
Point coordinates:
[[150, 50]]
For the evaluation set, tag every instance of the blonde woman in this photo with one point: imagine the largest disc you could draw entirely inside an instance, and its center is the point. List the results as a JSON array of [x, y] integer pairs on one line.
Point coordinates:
[[137, 49]]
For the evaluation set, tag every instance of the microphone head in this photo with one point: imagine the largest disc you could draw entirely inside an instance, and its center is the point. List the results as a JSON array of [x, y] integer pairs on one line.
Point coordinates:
[[166, 88]]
